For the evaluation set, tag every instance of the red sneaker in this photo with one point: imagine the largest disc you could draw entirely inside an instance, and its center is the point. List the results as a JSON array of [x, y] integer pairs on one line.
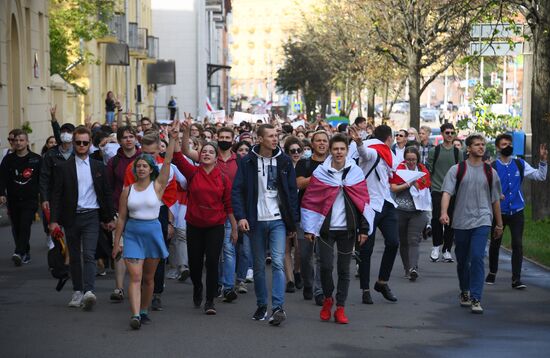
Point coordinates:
[[340, 315], [327, 308]]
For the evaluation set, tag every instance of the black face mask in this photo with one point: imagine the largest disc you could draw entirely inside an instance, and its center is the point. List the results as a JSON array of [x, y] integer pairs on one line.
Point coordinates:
[[224, 145], [507, 151]]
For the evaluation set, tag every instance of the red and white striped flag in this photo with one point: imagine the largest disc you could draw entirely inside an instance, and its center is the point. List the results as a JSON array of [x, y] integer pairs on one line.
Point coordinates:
[[209, 107], [322, 191]]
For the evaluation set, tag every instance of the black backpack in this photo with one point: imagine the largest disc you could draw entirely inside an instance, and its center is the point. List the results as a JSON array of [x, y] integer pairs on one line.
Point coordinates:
[[461, 171], [437, 150], [56, 263]]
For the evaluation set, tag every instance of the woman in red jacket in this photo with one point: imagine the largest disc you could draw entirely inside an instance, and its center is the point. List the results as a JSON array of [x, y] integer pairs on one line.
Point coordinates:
[[208, 206]]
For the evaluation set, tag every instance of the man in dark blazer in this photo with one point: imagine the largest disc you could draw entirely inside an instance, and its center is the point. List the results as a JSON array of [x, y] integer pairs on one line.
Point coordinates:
[[81, 200]]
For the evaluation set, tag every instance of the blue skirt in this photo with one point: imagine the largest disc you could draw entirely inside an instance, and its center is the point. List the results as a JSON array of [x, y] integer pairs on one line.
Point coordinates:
[[143, 240]]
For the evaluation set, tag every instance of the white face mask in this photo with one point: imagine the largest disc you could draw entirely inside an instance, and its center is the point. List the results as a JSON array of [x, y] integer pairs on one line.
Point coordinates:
[[411, 138], [66, 137]]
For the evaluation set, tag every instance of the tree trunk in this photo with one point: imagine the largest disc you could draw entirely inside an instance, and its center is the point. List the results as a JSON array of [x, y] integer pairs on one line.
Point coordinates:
[[540, 105], [325, 103], [370, 102], [414, 98]]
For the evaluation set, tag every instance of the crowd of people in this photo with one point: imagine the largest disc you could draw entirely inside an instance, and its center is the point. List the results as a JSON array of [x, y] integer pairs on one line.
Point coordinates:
[[169, 200]]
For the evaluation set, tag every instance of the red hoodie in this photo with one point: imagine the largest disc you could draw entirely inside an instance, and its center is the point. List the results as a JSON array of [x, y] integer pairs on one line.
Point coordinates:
[[209, 195]]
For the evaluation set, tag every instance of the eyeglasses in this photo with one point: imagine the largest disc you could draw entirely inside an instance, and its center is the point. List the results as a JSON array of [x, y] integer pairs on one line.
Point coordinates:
[[449, 132], [399, 135], [296, 151], [82, 143]]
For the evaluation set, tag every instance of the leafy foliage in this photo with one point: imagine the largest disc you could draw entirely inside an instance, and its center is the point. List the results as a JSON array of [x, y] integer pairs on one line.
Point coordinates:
[[73, 22]]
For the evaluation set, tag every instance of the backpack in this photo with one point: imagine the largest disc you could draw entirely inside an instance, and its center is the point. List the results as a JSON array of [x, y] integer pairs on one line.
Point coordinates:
[[437, 150], [519, 165], [56, 263], [374, 167], [461, 171]]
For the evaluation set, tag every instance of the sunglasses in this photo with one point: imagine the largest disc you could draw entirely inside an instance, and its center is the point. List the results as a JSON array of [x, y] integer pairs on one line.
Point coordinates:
[[399, 135], [449, 132], [82, 143], [296, 151]]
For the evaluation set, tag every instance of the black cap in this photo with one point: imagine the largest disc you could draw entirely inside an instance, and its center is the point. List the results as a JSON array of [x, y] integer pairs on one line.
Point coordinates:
[[67, 127]]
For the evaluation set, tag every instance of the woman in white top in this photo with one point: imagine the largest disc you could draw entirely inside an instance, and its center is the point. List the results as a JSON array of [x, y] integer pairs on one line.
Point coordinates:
[[138, 218]]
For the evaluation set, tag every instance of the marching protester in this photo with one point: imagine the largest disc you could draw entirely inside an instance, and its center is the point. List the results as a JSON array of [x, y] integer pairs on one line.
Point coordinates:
[[208, 209], [19, 178], [511, 172], [413, 201], [398, 148], [81, 199], [265, 202], [138, 213], [309, 260], [425, 145], [116, 171], [476, 189], [440, 159], [335, 210], [378, 163]]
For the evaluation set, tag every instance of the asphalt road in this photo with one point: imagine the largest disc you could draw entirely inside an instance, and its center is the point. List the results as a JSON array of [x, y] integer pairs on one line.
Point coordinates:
[[426, 321]]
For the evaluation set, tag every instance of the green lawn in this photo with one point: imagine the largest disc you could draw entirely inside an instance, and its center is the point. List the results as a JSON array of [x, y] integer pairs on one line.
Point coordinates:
[[536, 239]]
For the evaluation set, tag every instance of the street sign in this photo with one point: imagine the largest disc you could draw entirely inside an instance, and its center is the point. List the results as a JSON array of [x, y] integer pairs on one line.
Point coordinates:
[[487, 31], [496, 49]]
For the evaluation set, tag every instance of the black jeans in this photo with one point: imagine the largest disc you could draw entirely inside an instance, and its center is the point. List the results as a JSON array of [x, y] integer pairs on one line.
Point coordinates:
[[386, 221], [441, 234], [344, 246], [516, 223], [21, 215], [159, 273], [205, 242], [309, 263]]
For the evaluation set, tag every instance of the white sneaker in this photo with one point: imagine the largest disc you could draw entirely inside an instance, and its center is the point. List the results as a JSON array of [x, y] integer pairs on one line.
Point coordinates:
[[173, 274], [241, 287], [447, 257], [435, 253], [88, 301], [76, 300], [250, 275]]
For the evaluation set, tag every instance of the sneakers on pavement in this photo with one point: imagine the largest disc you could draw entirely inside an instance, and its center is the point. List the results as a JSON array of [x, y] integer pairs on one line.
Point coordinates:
[[241, 287], [518, 285], [144, 318], [447, 257], [172, 274], [260, 314], [366, 299], [156, 303], [298, 280], [76, 300], [340, 315], [268, 260], [135, 322], [26, 258], [385, 290], [278, 315], [490, 279], [319, 299], [290, 287], [427, 232], [465, 299], [307, 293], [434, 256], [17, 260], [476, 306], [413, 274], [229, 295], [326, 311], [117, 295], [88, 301], [249, 276], [209, 308], [197, 297]]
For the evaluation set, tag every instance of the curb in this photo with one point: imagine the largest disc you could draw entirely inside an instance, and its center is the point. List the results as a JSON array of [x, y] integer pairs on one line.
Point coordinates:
[[544, 267]]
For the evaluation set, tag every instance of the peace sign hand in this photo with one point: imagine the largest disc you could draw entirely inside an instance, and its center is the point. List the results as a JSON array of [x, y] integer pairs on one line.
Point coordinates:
[[175, 130]]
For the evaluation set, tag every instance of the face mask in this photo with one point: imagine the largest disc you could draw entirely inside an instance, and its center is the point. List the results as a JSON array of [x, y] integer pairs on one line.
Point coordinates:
[[507, 151], [66, 137], [224, 145], [411, 138], [307, 153]]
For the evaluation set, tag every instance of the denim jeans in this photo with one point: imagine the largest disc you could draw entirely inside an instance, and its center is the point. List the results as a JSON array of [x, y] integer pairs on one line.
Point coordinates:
[[244, 257], [470, 251], [274, 233], [82, 238], [386, 221], [228, 259], [310, 265], [109, 118]]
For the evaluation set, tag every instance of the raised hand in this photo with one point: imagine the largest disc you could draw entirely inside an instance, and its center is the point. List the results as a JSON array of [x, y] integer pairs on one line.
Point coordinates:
[[543, 152], [52, 111], [175, 130]]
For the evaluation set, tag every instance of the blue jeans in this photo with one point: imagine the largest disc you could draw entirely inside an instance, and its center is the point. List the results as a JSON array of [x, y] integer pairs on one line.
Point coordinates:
[[109, 118], [273, 232], [244, 260], [470, 251], [227, 268]]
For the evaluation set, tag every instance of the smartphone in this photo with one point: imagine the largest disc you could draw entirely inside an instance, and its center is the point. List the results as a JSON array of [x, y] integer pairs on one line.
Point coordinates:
[[118, 256]]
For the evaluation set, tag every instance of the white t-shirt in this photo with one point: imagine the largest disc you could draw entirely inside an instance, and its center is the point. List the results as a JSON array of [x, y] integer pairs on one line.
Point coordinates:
[[268, 207], [338, 215]]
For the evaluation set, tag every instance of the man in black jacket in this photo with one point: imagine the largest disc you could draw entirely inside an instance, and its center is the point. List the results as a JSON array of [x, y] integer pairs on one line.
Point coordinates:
[[19, 173], [81, 199]]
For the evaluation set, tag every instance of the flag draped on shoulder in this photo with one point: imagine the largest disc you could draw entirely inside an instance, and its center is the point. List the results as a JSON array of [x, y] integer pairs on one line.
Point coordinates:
[[322, 190], [421, 192]]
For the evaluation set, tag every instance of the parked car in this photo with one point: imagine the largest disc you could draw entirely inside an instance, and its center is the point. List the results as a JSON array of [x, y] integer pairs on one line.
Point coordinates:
[[401, 107], [429, 114]]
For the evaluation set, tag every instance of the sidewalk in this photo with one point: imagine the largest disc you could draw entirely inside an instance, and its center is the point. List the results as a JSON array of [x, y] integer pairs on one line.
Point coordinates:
[[426, 321]]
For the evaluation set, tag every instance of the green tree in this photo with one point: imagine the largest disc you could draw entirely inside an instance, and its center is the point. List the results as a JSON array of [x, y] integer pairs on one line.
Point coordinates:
[[71, 23]]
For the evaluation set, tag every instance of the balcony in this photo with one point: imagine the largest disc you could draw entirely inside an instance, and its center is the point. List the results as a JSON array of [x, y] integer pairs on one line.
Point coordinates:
[[117, 29], [152, 49], [137, 40]]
